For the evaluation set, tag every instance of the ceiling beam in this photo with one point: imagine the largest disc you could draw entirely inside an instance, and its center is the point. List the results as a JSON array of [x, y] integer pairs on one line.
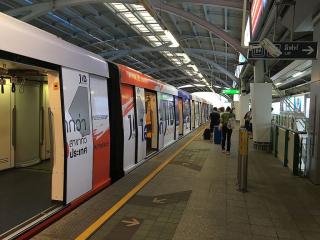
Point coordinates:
[[234, 4], [161, 7], [38, 9], [157, 69], [168, 80], [112, 55], [215, 65]]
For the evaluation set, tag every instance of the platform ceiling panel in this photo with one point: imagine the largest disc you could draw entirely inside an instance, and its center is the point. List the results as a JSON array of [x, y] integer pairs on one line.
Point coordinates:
[[120, 32]]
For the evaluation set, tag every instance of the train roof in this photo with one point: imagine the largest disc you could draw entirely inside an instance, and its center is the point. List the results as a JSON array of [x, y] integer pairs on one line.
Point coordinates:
[[136, 78], [26, 40]]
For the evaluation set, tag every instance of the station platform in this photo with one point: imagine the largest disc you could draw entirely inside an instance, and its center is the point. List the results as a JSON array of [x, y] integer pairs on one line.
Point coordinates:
[[195, 196]]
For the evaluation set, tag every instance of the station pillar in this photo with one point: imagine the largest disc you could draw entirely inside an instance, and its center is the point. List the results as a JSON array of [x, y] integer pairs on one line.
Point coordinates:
[[261, 101], [243, 102], [243, 107], [313, 166]]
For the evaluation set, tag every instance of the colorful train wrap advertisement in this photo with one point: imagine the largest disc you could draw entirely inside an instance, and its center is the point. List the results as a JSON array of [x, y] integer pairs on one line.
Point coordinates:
[[78, 127], [186, 116], [176, 110], [129, 126], [166, 119], [141, 123], [192, 114], [101, 131], [197, 114]]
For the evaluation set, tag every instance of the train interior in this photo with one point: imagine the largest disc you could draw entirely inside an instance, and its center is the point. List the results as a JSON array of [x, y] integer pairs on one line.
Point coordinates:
[[26, 143], [151, 122]]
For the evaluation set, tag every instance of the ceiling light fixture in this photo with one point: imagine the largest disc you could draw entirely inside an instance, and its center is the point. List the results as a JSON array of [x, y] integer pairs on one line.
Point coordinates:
[[186, 86], [172, 39], [297, 74]]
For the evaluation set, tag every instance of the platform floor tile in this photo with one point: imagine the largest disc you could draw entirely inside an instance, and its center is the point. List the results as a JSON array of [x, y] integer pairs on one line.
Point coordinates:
[[196, 198]]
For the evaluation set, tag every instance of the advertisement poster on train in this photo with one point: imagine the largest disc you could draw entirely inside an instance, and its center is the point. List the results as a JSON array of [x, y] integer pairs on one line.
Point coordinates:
[[78, 127], [197, 114], [101, 131], [129, 127], [141, 124], [176, 109], [162, 117], [169, 136], [166, 119], [186, 116]]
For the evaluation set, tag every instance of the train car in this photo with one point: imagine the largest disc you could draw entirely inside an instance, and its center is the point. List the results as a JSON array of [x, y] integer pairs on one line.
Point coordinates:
[[186, 109], [196, 101], [148, 116], [72, 123]]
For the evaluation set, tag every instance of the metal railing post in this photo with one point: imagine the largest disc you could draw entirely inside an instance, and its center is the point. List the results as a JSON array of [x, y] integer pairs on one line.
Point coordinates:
[[243, 160]]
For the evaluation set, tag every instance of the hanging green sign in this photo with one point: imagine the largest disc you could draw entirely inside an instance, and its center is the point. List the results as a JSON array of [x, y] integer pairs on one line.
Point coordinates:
[[231, 91]]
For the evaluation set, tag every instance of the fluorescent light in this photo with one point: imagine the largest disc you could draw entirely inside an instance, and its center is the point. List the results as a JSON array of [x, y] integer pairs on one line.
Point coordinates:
[[186, 86], [216, 86], [277, 84], [297, 74], [185, 57], [147, 17], [137, 7], [119, 7], [156, 27], [171, 38], [153, 38], [200, 85], [141, 28], [194, 67]]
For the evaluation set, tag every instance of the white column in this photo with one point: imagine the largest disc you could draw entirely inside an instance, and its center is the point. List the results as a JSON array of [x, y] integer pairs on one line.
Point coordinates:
[[261, 101], [314, 115], [243, 107]]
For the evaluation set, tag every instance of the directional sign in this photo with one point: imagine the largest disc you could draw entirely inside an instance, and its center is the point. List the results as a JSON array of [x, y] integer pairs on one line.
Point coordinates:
[[290, 50], [125, 229], [159, 201], [231, 91]]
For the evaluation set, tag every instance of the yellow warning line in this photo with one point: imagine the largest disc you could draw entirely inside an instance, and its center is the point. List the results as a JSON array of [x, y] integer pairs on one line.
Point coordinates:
[[105, 217]]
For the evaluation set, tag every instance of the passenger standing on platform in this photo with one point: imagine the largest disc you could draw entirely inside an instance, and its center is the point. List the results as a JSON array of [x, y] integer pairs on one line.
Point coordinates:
[[227, 124], [247, 120], [214, 123]]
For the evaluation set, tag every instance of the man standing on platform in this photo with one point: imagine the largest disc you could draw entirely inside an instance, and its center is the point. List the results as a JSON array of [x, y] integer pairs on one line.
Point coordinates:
[[214, 125]]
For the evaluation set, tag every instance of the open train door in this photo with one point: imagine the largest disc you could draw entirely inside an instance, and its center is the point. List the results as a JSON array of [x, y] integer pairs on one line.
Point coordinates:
[[6, 113], [151, 122]]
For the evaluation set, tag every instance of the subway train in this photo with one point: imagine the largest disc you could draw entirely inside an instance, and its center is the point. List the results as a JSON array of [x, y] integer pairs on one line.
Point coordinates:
[[72, 124]]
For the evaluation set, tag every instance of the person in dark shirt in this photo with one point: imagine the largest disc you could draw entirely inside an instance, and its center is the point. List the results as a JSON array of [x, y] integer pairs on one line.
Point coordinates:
[[214, 120]]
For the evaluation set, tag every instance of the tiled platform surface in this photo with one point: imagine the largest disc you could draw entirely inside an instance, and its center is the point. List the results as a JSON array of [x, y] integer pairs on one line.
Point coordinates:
[[195, 197]]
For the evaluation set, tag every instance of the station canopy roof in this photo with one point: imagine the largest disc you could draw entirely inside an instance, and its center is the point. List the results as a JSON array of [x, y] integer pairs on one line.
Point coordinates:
[[193, 45]]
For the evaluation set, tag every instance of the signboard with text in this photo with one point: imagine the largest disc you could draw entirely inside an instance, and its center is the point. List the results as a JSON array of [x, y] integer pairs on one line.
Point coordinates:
[[290, 50], [231, 91]]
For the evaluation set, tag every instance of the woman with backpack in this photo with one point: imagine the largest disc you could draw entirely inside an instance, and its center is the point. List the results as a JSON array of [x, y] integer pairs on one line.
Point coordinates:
[[227, 124]]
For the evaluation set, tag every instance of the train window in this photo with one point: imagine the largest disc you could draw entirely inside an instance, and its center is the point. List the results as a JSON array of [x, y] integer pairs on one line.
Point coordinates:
[[31, 143]]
